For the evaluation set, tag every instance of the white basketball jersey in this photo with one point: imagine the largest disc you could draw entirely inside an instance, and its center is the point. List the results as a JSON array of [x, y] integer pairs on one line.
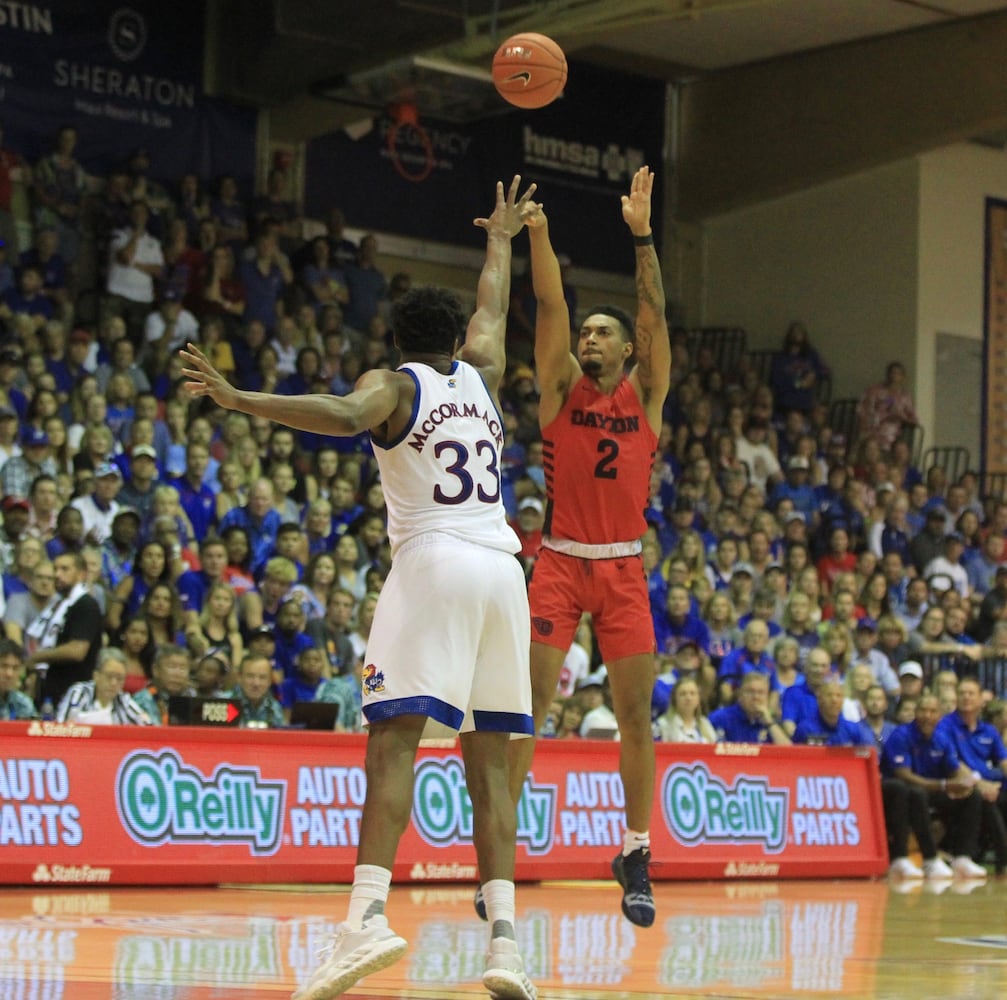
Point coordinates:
[[442, 473]]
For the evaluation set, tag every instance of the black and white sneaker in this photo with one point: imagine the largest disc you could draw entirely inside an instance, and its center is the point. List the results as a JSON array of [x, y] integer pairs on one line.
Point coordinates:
[[630, 871]]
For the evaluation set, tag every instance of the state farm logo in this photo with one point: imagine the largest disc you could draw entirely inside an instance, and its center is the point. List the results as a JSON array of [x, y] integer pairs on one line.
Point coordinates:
[[163, 800]]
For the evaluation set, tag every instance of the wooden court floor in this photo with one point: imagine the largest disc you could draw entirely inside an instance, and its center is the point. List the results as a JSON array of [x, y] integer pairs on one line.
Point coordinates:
[[728, 940]]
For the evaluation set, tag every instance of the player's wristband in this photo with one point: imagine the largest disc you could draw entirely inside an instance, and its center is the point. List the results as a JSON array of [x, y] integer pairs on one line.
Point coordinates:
[[644, 241]]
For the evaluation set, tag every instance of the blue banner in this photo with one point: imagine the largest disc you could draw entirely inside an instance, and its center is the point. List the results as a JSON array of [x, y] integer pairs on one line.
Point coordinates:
[[124, 76], [430, 181]]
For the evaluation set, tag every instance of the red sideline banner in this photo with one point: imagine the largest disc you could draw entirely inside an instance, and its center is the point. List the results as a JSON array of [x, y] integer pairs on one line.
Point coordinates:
[[124, 805]]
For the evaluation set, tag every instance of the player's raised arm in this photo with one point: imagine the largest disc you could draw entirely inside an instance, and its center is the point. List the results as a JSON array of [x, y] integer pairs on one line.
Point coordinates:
[[652, 371], [484, 342], [555, 365], [372, 401]]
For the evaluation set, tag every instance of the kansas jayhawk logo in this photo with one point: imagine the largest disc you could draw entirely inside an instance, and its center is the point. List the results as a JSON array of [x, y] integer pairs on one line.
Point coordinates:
[[373, 679]]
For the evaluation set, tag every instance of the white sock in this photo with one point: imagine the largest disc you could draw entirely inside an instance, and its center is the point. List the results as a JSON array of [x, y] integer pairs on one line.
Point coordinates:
[[634, 840], [499, 896], [369, 893]]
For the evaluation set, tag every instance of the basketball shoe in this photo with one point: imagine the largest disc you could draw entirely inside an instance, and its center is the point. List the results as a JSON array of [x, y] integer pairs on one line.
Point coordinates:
[[350, 956], [505, 976], [630, 871]]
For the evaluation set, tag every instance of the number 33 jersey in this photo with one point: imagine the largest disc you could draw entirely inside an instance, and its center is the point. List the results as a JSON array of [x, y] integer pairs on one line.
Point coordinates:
[[442, 473], [598, 454]]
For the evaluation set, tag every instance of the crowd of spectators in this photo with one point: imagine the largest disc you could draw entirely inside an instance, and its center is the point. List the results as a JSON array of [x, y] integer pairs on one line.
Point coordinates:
[[153, 546]]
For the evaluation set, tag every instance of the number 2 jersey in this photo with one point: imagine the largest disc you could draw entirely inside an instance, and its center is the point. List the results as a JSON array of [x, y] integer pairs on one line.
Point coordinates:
[[598, 454], [442, 473]]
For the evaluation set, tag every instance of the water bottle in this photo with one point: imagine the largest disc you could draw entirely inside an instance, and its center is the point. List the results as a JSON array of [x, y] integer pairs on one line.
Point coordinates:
[[48, 710], [548, 727]]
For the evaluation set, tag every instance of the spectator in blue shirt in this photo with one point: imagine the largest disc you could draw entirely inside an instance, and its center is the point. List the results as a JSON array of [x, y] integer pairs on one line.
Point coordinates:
[[290, 640], [306, 683], [797, 488], [749, 719], [827, 727], [198, 501], [981, 749], [751, 656], [678, 624], [800, 701], [920, 756], [260, 521]]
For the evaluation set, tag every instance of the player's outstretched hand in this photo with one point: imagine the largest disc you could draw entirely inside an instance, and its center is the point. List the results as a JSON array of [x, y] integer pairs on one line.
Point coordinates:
[[507, 217], [204, 379], [636, 205]]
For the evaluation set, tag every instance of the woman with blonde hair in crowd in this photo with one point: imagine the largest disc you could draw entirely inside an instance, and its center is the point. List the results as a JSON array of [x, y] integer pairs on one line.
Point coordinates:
[[217, 626], [684, 721], [838, 642], [809, 585], [858, 681], [246, 453], [690, 551], [787, 657], [232, 492]]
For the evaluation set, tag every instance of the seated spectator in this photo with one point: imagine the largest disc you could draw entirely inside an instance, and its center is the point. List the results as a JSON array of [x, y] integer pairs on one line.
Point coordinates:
[[306, 680], [876, 720], [800, 701], [98, 509], [217, 627], [170, 677], [721, 622], [164, 614], [28, 553], [993, 607], [27, 301], [259, 709], [981, 749], [931, 640], [757, 455], [828, 727], [795, 372], [684, 721], [138, 649], [950, 564], [983, 566], [101, 700], [260, 521], [20, 471], [751, 656], [318, 584], [149, 568], [223, 294], [678, 623], [749, 720], [195, 497], [14, 703], [928, 543], [332, 633], [920, 756], [345, 692], [210, 675], [865, 639], [595, 696], [571, 718], [787, 669], [290, 641], [27, 606]]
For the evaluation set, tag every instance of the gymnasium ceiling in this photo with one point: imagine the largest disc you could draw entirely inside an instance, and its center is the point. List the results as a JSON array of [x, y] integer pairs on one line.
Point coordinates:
[[900, 76]]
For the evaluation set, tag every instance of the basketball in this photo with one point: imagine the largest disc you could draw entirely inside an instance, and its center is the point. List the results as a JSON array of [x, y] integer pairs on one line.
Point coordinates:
[[529, 70]]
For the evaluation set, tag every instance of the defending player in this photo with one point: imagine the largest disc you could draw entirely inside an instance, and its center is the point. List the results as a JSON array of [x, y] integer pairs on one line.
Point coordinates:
[[450, 639], [599, 428]]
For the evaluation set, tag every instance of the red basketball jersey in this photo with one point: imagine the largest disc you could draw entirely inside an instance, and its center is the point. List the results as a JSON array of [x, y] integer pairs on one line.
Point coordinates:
[[598, 454]]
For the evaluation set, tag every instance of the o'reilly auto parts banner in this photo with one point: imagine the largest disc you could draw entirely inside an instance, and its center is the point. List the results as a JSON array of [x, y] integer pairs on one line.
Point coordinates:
[[119, 805]]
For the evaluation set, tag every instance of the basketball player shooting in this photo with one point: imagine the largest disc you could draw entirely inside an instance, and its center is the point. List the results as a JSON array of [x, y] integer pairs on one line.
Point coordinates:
[[437, 432], [599, 429]]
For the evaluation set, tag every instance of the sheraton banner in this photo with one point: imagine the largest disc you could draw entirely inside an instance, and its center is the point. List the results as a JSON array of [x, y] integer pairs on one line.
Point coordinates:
[[83, 805], [125, 76]]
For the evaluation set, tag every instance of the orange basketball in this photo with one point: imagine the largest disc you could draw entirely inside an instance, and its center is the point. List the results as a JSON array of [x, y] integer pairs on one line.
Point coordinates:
[[529, 70]]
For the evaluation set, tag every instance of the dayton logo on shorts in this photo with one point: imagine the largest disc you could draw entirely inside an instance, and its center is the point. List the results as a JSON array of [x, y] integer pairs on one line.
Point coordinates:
[[163, 800], [373, 679]]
